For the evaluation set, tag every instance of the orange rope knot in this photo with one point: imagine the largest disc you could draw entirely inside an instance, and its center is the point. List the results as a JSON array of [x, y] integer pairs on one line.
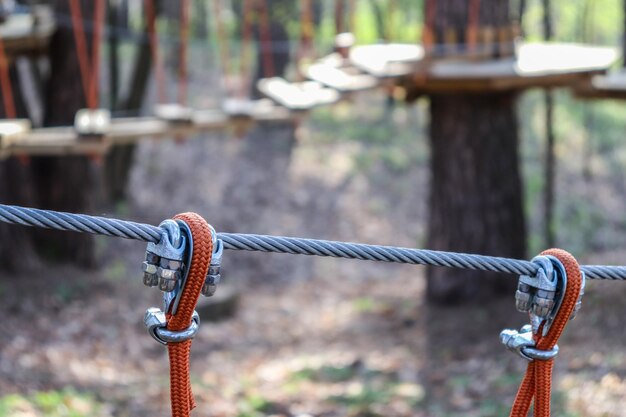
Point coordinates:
[[187, 240], [551, 298]]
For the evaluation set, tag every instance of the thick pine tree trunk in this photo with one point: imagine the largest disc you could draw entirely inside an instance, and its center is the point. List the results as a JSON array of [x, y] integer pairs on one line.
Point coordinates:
[[67, 183], [476, 193], [476, 190], [16, 249]]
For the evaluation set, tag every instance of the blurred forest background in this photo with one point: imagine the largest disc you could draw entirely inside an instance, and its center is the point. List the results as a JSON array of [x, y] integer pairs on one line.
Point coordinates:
[[301, 336]]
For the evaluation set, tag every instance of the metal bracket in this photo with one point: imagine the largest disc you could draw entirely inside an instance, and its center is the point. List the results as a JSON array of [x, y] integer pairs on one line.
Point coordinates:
[[522, 344], [155, 321], [214, 274]]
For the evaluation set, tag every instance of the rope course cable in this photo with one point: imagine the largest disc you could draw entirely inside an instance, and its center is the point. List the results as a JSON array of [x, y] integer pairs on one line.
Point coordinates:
[[292, 245]]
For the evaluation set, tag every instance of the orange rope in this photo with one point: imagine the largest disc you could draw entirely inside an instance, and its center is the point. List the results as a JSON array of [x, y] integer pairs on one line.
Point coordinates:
[[473, 19], [154, 49], [428, 34], [537, 383], [339, 16], [81, 47], [5, 83], [246, 38], [181, 397], [95, 53], [265, 38], [182, 65], [306, 35], [306, 25], [221, 37], [89, 71]]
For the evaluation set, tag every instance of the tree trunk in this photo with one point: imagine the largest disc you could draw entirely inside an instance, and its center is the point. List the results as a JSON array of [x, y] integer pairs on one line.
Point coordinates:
[[476, 188], [476, 191], [65, 183], [16, 249]]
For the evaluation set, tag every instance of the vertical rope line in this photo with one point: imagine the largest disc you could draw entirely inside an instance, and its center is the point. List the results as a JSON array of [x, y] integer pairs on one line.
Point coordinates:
[[220, 33], [5, 83], [182, 65], [157, 66], [473, 20], [265, 37], [428, 33], [391, 11], [246, 37], [81, 47], [94, 91], [339, 16]]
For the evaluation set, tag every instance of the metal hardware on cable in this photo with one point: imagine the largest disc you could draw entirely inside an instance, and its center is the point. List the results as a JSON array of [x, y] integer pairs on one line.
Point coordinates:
[[164, 265], [84, 223], [552, 298], [214, 275], [156, 322], [185, 247], [522, 344]]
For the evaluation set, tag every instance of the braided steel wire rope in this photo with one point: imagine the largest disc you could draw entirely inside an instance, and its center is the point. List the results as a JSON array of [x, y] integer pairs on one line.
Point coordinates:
[[292, 245]]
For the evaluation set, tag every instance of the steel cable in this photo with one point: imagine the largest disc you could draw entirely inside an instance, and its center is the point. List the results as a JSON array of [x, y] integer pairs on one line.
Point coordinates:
[[292, 245]]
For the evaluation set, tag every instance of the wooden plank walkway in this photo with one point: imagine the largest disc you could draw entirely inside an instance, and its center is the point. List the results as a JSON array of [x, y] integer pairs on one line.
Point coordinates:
[[535, 65]]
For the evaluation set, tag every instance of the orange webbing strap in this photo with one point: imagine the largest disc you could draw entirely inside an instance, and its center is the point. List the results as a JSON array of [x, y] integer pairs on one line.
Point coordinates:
[[246, 40], [537, 383], [428, 33], [221, 39], [149, 8], [265, 37], [182, 64], [473, 18], [5, 84], [181, 396], [89, 71]]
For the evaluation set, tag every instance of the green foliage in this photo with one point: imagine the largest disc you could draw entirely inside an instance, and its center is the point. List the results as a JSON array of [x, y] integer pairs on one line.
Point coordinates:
[[63, 403]]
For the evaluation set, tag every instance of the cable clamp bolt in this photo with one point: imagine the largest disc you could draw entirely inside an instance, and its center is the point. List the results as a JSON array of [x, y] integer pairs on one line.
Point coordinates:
[[213, 276], [522, 344], [156, 322], [163, 265]]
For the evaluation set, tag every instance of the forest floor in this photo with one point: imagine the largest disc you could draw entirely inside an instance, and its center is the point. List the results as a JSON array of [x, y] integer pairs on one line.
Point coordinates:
[[312, 336]]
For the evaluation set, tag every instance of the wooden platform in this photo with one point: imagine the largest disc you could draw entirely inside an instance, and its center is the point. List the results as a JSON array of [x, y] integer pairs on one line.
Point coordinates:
[[334, 72], [27, 33], [299, 96], [535, 65], [609, 86], [387, 60], [65, 140]]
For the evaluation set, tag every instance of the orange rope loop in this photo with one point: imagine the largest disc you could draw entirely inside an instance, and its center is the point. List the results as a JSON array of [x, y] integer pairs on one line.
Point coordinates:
[[89, 71], [265, 38], [246, 40], [547, 327], [5, 83], [157, 65], [186, 245], [182, 65]]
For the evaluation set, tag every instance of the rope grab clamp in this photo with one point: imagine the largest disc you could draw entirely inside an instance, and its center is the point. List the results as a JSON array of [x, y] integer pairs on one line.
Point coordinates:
[[166, 266], [541, 296], [552, 298], [184, 264]]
